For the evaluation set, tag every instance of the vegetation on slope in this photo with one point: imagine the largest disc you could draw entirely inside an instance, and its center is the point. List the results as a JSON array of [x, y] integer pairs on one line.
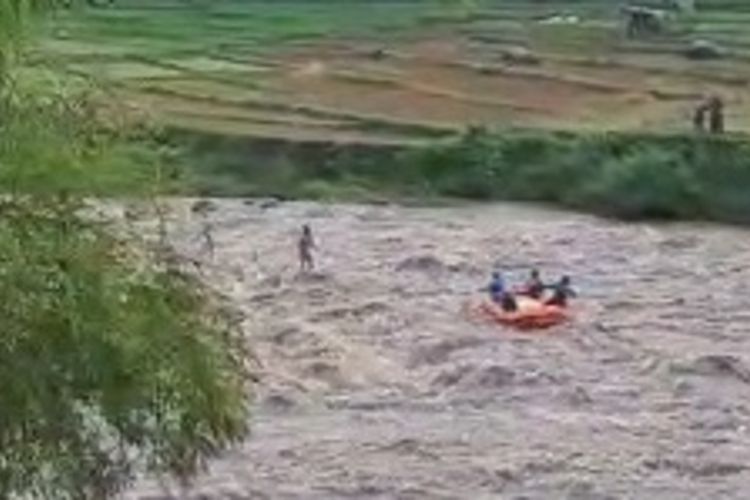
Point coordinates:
[[615, 174]]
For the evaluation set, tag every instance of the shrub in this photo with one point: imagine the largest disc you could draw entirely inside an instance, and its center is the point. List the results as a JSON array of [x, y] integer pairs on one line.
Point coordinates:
[[648, 183], [110, 365], [618, 174], [113, 361]]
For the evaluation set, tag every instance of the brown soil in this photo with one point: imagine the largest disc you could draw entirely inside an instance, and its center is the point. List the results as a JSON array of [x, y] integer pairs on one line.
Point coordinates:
[[451, 81]]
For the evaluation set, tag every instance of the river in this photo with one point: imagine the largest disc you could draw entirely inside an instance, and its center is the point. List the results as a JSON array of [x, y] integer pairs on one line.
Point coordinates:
[[377, 385]]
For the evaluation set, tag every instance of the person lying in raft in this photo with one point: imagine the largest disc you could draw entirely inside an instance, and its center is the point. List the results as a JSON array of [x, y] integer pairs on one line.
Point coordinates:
[[561, 292], [500, 295]]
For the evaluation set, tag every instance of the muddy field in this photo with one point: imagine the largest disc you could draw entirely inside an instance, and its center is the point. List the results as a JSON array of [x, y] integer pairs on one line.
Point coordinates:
[[443, 84], [376, 385]]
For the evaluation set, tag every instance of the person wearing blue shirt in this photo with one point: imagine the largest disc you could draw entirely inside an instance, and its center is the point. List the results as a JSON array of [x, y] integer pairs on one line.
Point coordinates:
[[499, 294], [497, 287]]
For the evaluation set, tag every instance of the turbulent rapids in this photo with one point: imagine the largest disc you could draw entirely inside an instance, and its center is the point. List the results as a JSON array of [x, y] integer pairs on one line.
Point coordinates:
[[375, 384]]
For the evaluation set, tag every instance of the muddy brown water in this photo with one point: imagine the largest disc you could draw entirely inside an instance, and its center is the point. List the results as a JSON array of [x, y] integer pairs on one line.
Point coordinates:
[[376, 385]]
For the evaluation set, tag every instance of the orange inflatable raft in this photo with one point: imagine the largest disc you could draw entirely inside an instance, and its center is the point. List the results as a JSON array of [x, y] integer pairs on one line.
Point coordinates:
[[531, 314]]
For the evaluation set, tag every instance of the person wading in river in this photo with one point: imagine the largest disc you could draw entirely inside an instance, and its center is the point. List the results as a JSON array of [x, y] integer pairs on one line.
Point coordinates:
[[209, 246], [305, 246]]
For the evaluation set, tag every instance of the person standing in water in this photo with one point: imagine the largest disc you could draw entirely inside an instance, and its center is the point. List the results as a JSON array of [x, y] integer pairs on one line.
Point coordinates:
[[306, 245], [209, 246]]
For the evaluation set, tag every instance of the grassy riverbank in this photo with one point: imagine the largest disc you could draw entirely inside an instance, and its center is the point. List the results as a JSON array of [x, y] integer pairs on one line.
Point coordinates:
[[316, 100], [622, 175]]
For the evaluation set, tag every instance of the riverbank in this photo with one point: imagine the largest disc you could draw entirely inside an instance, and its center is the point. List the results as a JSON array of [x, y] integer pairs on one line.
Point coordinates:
[[623, 175]]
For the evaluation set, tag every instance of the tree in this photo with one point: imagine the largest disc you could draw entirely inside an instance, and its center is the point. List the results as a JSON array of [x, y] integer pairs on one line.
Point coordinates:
[[113, 360]]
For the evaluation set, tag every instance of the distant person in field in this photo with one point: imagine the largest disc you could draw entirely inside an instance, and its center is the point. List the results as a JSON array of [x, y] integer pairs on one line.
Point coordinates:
[[716, 115], [713, 108], [561, 292], [306, 245], [699, 117]]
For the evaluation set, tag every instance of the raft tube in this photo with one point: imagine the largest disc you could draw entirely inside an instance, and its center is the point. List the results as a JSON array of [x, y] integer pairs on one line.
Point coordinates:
[[531, 314]]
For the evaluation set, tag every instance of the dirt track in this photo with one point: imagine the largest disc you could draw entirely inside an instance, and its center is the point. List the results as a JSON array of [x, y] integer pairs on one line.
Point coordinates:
[[376, 386]]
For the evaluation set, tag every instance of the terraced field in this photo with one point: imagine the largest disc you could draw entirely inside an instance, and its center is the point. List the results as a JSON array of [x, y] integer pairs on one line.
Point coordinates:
[[403, 72]]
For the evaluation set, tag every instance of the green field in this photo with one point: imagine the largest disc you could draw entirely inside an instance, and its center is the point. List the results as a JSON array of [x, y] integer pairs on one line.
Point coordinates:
[[403, 72]]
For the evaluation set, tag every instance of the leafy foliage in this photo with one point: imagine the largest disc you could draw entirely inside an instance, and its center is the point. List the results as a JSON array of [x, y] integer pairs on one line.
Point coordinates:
[[110, 365], [15, 16], [113, 360], [616, 174]]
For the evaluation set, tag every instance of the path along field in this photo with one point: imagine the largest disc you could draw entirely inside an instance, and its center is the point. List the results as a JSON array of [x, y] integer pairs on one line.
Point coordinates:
[[399, 72], [376, 385]]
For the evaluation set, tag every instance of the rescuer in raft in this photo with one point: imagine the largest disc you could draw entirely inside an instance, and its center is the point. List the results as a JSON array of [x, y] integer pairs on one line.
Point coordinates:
[[534, 287], [500, 295], [561, 292]]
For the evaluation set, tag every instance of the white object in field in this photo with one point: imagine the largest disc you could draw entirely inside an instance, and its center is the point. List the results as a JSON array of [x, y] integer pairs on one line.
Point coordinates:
[[685, 5], [561, 19]]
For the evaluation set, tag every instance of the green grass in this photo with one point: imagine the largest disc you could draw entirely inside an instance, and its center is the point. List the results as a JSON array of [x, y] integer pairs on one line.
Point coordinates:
[[215, 25]]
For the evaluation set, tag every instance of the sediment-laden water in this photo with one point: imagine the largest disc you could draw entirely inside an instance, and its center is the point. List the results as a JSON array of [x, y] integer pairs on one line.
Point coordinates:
[[376, 384]]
